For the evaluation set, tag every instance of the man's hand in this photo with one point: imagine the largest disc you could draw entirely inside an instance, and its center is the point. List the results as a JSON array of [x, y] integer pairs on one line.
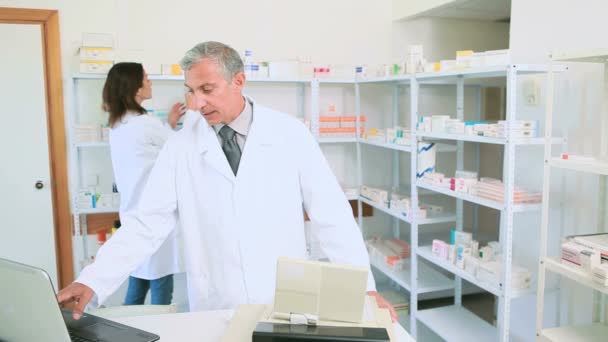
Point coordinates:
[[177, 111], [79, 295], [382, 303]]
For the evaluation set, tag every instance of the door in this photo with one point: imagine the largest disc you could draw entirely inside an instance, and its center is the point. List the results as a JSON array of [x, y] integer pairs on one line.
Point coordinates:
[[26, 207]]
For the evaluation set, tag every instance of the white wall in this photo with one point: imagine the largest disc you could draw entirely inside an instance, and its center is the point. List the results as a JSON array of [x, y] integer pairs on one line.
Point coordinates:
[[408, 8], [157, 32], [540, 26], [442, 37]]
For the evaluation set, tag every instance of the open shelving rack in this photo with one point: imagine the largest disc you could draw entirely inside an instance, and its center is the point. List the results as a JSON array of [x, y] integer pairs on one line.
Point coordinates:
[[597, 330], [79, 149], [454, 322]]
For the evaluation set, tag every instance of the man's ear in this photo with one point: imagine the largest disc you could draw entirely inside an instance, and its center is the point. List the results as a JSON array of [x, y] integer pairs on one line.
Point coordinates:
[[239, 80]]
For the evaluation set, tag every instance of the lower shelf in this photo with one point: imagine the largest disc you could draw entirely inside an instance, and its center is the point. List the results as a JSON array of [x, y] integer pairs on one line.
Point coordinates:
[[554, 264], [455, 323], [426, 253], [587, 333], [97, 211], [432, 219], [429, 280]]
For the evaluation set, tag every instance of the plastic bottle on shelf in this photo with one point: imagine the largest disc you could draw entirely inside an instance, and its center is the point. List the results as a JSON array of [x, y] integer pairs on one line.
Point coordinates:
[[101, 237]]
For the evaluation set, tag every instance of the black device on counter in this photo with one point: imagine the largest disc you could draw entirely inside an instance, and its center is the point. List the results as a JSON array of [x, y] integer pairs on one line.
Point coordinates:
[[274, 332]]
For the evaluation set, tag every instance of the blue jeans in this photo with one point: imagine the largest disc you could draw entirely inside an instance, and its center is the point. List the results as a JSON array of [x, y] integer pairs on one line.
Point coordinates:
[[161, 290]]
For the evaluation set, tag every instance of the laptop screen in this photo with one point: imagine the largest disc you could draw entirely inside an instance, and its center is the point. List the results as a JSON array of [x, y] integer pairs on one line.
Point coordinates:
[[28, 306]]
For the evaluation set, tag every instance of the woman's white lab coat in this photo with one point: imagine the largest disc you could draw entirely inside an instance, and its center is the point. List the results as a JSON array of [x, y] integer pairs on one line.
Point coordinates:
[[135, 142], [234, 228]]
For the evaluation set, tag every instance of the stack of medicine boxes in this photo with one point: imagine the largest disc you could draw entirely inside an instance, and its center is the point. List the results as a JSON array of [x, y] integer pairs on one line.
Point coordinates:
[[96, 53]]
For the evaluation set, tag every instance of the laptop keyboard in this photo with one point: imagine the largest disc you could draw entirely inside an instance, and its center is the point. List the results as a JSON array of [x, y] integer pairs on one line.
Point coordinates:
[[75, 338]]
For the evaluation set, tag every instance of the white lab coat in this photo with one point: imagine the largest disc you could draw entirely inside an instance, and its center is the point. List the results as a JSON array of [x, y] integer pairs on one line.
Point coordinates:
[[135, 142], [235, 228]]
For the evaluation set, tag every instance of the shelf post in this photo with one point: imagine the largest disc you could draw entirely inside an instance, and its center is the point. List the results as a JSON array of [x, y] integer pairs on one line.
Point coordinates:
[[414, 209], [395, 153], [540, 295], [459, 166], [506, 227], [358, 147]]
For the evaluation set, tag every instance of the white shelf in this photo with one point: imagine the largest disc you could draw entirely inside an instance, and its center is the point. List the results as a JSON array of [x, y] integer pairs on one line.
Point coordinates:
[[336, 140], [387, 79], [485, 140], [285, 80], [442, 218], [156, 77], [92, 144], [426, 253], [407, 148], [479, 200], [481, 72], [104, 75], [455, 323], [489, 71], [95, 211], [596, 167], [404, 148], [336, 80], [592, 55], [554, 264], [581, 333], [429, 280]]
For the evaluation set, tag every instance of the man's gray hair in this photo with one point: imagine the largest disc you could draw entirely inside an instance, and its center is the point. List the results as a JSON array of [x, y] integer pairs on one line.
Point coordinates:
[[228, 59]]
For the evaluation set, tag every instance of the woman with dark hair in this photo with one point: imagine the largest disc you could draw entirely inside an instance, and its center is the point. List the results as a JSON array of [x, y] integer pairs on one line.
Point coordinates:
[[136, 138]]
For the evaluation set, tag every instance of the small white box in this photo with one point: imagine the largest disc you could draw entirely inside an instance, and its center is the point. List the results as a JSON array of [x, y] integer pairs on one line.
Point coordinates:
[[105, 201], [471, 263], [477, 60], [96, 53], [497, 57], [447, 64], [95, 67]]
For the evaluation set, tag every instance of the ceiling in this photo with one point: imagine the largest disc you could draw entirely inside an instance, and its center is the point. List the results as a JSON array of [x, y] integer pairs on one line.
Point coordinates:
[[491, 10]]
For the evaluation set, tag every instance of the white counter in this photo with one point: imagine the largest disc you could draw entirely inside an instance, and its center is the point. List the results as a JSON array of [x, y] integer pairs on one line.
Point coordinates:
[[200, 326]]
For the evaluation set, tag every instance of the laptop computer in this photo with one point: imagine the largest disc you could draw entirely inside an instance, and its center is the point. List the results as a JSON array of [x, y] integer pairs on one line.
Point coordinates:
[[29, 312]]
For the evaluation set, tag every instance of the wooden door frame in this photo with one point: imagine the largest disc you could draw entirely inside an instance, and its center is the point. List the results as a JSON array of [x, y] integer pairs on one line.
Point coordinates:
[[49, 23]]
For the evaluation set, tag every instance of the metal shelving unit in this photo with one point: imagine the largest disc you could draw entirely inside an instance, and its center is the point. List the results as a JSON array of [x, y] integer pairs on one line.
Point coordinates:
[[595, 167], [403, 148], [432, 219], [418, 278], [430, 281], [464, 325], [598, 330], [77, 149], [516, 208], [441, 319], [485, 140]]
